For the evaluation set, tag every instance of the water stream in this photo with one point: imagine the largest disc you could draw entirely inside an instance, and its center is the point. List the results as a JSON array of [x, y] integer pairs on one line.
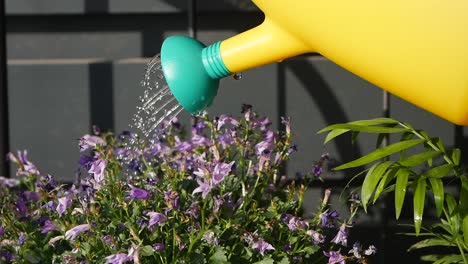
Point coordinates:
[[157, 104]]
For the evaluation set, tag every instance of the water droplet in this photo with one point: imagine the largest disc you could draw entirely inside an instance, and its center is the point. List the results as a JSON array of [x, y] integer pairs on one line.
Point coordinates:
[[156, 104], [237, 76]]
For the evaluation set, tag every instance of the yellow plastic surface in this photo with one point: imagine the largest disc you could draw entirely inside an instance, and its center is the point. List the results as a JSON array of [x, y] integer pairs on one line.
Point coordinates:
[[417, 50]]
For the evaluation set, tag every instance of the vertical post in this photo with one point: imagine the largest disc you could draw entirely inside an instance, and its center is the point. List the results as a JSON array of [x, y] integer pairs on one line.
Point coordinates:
[[4, 169], [385, 208], [192, 18]]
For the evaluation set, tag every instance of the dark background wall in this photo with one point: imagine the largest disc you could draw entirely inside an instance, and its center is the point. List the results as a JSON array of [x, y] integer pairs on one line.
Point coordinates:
[[77, 63]]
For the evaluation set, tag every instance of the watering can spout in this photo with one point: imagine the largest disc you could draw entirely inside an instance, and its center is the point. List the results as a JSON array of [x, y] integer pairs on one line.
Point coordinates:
[[417, 50], [264, 44]]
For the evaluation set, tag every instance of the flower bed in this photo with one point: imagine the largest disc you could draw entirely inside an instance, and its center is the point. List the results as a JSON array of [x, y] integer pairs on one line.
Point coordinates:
[[215, 195]]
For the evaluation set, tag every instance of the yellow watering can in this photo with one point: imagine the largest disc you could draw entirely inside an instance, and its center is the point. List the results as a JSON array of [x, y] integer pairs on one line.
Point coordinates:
[[415, 49]]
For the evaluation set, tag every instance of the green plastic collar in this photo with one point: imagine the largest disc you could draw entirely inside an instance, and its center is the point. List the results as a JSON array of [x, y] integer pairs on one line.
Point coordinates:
[[192, 71]]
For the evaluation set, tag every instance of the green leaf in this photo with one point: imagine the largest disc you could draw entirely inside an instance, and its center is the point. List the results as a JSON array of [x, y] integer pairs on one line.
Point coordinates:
[[438, 191], [438, 142], [463, 207], [333, 134], [465, 230], [419, 158], [375, 121], [219, 257], [147, 250], [265, 261], [439, 172], [386, 179], [380, 140], [404, 137], [380, 153], [430, 242], [354, 136], [364, 128], [431, 258], [372, 179], [311, 249], [418, 203], [369, 122], [450, 259], [456, 155], [451, 203], [428, 148], [285, 260], [400, 190]]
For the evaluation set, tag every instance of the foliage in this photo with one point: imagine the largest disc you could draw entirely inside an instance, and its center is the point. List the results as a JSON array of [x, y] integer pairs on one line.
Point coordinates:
[[402, 174], [218, 196]]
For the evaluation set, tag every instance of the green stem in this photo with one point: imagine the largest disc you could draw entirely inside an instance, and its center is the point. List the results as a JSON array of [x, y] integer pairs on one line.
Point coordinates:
[[429, 142], [462, 252]]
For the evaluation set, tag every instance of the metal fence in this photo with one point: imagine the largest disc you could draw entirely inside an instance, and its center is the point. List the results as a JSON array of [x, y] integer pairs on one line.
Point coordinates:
[[77, 63]]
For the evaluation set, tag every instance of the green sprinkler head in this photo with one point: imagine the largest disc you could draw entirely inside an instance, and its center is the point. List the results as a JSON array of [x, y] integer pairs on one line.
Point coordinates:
[[192, 71]]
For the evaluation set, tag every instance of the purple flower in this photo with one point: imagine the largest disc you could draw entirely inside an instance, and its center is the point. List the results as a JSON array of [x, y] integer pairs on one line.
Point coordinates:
[[198, 127], [263, 147], [204, 187], [7, 182], [247, 111], [317, 238], [193, 210], [134, 253], [138, 193], [356, 250], [262, 246], [224, 120], [48, 226], [2, 231], [31, 196], [51, 182], [159, 247], [198, 140], [370, 251], [158, 148], [107, 239], [217, 203], [98, 168], [117, 258], [182, 146], [328, 218], [220, 171], [90, 142], [156, 218], [263, 123], [64, 203], [126, 134], [317, 170], [334, 257], [142, 222], [287, 124], [210, 238], [86, 161], [296, 223], [135, 165], [77, 230], [122, 152], [22, 238], [6, 255], [342, 236], [25, 166], [172, 199], [21, 206], [225, 140]]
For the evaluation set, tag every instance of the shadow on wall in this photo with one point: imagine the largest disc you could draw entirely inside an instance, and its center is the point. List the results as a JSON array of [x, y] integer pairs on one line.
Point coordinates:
[[96, 6], [330, 109]]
